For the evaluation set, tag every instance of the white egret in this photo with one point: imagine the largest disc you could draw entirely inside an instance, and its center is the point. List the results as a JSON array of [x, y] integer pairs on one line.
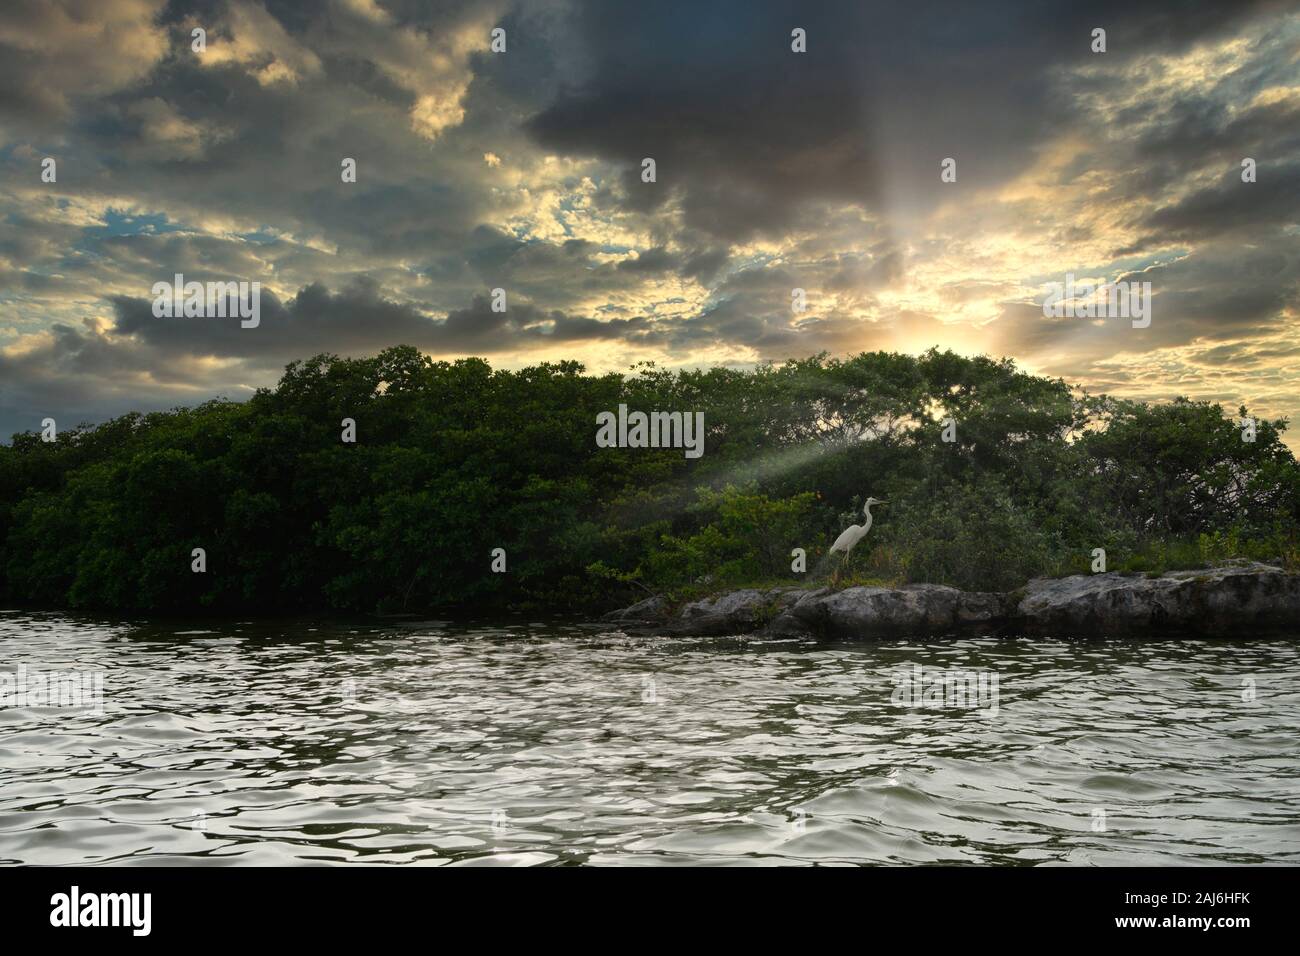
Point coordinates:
[[855, 532]]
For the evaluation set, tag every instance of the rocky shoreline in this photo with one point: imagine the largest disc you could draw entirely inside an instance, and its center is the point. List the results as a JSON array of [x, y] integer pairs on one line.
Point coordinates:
[[1236, 600]]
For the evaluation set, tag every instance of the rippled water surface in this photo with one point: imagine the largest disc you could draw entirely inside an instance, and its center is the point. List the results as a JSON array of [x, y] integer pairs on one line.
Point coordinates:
[[435, 743]]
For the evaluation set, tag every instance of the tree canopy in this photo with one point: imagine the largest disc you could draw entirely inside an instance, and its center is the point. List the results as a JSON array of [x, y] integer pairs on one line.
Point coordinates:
[[455, 459]]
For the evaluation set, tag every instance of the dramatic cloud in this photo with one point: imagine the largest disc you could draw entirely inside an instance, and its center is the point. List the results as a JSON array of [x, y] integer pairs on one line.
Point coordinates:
[[57, 50], [522, 170]]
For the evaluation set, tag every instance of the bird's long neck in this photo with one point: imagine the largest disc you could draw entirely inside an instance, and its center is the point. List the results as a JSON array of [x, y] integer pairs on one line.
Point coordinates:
[[866, 510]]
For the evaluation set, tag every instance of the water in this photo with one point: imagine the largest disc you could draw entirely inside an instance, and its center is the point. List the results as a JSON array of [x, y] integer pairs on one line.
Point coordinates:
[[435, 743]]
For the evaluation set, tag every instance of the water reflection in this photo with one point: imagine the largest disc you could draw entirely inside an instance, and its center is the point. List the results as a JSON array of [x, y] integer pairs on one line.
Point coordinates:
[[441, 743]]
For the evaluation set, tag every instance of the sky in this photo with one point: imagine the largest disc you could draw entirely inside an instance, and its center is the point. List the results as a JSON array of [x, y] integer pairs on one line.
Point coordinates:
[[522, 170]]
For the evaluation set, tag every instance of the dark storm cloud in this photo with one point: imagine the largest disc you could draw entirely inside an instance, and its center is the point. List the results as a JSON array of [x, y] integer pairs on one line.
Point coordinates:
[[479, 328], [563, 273], [1200, 129], [52, 53], [654, 260], [1229, 206], [705, 264], [749, 134], [315, 320], [351, 321]]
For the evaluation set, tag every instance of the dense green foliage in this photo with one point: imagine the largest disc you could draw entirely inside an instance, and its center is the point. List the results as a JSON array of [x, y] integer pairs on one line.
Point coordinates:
[[455, 459]]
